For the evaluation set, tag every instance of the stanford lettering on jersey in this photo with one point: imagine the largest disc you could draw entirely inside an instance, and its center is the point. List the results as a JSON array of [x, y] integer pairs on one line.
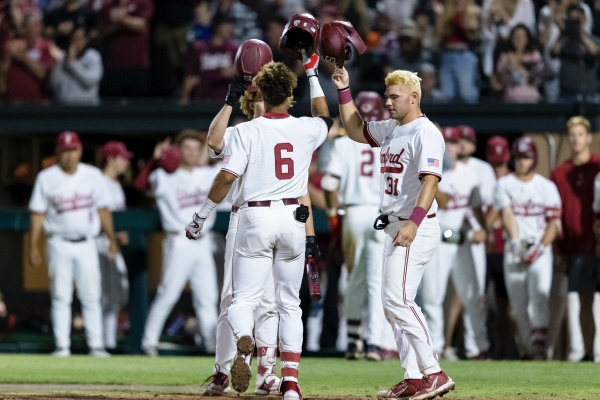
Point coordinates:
[[188, 199], [458, 200], [76, 202], [528, 209], [390, 162]]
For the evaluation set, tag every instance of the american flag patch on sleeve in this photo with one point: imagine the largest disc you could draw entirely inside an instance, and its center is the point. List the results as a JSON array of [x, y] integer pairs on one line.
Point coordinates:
[[433, 162], [226, 158]]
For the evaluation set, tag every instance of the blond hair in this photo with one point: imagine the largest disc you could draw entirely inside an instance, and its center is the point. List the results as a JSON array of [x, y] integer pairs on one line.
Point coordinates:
[[579, 120], [245, 101], [403, 77]]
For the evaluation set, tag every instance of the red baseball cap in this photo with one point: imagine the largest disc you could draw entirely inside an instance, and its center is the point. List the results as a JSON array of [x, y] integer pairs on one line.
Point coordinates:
[[115, 148], [497, 151], [450, 134], [467, 132], [67, 140]]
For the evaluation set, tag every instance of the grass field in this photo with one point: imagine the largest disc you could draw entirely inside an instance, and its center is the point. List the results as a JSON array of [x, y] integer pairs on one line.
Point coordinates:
[[323, 377]]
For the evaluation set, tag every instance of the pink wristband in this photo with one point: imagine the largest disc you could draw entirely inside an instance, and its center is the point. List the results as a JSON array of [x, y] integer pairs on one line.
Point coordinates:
[[417, 216], [344, 96]]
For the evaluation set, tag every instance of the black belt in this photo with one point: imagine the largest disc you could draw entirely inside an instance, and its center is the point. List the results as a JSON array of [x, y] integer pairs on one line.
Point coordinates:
[[265, 203], [75, 240], [384, 220]]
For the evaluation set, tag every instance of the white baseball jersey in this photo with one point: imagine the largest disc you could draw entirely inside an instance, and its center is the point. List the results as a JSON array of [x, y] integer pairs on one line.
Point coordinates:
[[596, 204], [461, 183], [180, 194], [486, 179], [533, 203], [407, 153], [115, 202], [71, 202], [280, 145], [357, 167]]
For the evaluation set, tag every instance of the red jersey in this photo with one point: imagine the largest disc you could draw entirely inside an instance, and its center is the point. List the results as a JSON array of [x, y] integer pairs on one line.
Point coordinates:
[[21, 83], [576, 187]]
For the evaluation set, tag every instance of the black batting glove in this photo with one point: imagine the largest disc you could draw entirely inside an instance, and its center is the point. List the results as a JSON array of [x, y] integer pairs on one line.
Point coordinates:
[[236, 90], [312, 248]]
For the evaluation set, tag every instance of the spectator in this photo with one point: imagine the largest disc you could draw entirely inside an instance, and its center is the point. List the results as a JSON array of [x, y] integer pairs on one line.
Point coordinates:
[[457, 25], [429, 90], [27, 62], [578, 54], [520, 69], [17, 11], [499, 17], [201, 25], [397, 10], [410, 56], [61, 22], [245, 18], [210, 64], [173, 18], [429, 38], [575, 249], [274, 28], [126, 35], [76, 79]]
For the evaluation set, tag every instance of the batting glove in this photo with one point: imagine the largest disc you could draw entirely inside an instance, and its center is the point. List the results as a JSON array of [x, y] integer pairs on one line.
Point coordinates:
[[533, 253], [312, 248], [515, 251], [310, 64], [236, 90], [194, 228]]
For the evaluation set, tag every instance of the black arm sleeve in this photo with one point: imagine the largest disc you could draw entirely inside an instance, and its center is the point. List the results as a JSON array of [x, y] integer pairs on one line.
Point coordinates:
[[328, 121]]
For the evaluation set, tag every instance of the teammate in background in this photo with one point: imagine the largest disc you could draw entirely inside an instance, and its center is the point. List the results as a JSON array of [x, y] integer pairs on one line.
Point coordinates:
[[457, 192], [355, 187], [69, 203], [178, 193], [115, 283], [412, 150], [271, 225], [497, 153], [530, 206], [575, 249]]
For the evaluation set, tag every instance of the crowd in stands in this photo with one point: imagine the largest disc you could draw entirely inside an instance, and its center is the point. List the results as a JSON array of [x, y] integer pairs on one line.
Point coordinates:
[[82, 51]]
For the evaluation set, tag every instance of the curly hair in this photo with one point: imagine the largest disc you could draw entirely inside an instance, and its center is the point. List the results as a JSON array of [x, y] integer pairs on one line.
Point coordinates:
[[402, 77], [245, 101], [276, 83]]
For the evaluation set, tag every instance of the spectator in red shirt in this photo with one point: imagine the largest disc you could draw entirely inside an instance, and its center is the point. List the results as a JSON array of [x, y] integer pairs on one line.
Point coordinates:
[[27, 61], [575, 250], [210, 64], [126, 35]]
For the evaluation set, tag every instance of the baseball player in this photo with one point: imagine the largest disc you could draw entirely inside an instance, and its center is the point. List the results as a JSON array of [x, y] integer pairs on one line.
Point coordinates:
[[457, 192], [177, 194], [270, 156], [531, 208], [412, 149], [69, 202], [266, 317], [575, 250], [357, 188], [115, 283]]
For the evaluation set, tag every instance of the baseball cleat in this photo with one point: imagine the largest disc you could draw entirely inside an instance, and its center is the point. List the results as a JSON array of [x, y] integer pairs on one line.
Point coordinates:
[[61, 353], [150, 351], [403, 390], [218, 384], [373, 353], [433, 385], [269, 385], [291, 390], [352, 353], [100, 353], [240, 370]]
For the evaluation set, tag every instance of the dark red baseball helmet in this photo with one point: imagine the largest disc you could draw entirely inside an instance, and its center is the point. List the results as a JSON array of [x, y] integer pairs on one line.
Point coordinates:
[[467, 132], [370, 106], [450, 134], [300, 33], [251, 56], [497, 152], [170, 158], [336, 37], [524, 147]]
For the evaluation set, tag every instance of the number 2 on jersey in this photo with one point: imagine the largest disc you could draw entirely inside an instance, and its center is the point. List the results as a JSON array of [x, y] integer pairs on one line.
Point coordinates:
[[366, 167], [280, 162], [391, 186]]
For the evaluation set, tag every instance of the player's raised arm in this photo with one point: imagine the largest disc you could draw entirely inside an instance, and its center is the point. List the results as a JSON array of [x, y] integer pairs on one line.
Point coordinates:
[[318, 103], [216, 130], [351, 119]]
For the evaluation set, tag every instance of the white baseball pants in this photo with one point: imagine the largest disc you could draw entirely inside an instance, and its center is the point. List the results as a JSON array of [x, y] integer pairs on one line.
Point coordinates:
[[403, 269], [115, 294], [76, 262], [185, 260]]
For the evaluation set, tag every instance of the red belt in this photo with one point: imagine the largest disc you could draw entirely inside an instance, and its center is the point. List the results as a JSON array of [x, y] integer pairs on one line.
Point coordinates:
[[265, 203]]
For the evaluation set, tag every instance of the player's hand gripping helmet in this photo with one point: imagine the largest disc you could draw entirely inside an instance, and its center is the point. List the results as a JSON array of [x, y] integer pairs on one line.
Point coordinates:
[[370, 106], [525, 147], [336, 37], [300, 33], [251, 56]]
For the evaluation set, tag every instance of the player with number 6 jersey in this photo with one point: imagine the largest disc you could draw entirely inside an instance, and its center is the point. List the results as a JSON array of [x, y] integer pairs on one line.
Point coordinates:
[[412, 149]]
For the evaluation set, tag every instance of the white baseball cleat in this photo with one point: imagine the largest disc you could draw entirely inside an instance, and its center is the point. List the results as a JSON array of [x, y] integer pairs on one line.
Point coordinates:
[[100, 353], [61, 353], [150, 351], [269, 385], [291, 390]]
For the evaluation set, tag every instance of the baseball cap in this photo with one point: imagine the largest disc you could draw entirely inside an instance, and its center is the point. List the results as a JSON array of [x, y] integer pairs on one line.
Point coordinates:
[[496, 151], [450, 134], [408, 28], [467, 132], [67, 140], [115, 148]]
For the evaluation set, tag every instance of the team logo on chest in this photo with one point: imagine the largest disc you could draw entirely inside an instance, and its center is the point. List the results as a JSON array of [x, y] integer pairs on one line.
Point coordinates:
[[72, 203], [390, 162], [187, 199], [528, 208]]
